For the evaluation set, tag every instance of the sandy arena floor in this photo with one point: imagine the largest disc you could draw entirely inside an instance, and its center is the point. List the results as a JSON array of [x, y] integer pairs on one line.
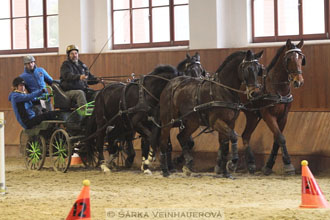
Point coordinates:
[[46, 194]]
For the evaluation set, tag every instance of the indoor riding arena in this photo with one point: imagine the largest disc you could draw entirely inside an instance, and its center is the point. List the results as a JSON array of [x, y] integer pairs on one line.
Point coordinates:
[[279, 55]]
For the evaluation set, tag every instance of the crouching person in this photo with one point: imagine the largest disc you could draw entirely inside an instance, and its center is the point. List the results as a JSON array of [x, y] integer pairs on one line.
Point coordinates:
[[22, 105]]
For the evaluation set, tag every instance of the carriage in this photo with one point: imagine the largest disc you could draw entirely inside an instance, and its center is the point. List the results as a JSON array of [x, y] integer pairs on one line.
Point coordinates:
[[56, 139]]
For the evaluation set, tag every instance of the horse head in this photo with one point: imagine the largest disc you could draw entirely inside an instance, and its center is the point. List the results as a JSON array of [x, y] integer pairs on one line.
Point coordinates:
[[191, 66], [294, 59], [249, 70]]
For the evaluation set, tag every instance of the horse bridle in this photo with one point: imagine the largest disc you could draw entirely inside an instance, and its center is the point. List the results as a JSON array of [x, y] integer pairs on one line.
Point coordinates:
[[243, 64], [189, 67], [294, 50]]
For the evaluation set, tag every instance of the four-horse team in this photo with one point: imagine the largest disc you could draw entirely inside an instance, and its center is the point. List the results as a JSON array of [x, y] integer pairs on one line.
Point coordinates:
[[186, 97]]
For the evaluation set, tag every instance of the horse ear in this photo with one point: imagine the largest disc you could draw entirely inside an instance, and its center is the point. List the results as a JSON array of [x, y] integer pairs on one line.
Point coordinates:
[[248, 55], [188, 56], [288, 44], [301, 44], [258, 55], [197, 56]]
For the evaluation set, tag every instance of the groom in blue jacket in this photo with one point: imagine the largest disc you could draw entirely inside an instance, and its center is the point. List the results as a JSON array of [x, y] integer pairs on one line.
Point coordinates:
[[22, 105], [35, 78]]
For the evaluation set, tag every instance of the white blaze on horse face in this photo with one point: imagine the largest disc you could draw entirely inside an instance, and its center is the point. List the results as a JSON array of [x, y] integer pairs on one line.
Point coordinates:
[[294, 69]]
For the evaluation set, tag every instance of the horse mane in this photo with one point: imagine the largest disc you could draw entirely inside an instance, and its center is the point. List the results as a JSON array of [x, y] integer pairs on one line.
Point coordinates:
[[274, 60], [181, 65], [230, 58], [164, 69]]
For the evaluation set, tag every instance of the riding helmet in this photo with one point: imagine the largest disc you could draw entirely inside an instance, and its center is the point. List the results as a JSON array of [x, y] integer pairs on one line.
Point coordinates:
[[28, 59], [70, 48], [17, 81]]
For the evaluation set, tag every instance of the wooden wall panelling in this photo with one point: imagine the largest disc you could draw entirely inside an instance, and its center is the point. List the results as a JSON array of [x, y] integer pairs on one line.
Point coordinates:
[[313, 96]]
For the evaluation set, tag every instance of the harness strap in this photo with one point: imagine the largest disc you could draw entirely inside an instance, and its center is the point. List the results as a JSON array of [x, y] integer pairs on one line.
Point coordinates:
[[198, 101], [224, 86], [230, 105], [276, 98]]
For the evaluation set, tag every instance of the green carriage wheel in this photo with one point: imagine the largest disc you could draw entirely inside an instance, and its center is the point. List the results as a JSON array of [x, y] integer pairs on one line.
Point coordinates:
[[60, 150], [35, 152]]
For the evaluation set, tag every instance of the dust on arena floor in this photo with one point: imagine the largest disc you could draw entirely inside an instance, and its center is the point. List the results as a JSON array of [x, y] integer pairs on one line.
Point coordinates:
[[47, 194]]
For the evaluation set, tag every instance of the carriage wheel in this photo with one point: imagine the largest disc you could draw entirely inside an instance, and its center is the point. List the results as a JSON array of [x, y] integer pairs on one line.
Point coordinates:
[[125, 155], [89, 161], [23, 139], [60, 150], [35, 152]]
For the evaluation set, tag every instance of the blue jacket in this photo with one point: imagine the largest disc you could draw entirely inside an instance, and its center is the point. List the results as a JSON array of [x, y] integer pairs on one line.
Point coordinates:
[[22, 105], [37, 79]]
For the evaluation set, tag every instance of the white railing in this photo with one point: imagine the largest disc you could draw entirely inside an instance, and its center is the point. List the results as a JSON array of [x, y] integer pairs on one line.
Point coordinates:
[[2, 155]]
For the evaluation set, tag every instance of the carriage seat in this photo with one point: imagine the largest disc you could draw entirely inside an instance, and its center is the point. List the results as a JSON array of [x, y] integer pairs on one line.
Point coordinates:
[[61, 100]]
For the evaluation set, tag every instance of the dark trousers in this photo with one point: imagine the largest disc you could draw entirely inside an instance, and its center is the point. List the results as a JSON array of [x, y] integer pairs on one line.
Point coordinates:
[[90, 94], [39, 118]]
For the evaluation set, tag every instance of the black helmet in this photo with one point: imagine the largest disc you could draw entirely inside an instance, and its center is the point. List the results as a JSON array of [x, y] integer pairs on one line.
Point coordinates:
[[70, 48], [17, 81]]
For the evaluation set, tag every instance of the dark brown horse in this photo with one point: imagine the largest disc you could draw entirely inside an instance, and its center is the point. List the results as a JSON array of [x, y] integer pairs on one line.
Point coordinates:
[[189, 103], [191, 66], [273, 107], [123, 109]]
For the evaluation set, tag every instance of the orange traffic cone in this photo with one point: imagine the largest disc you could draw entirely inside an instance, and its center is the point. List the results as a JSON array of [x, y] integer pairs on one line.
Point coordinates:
[[75, 159], [312, 196], [81, 208]]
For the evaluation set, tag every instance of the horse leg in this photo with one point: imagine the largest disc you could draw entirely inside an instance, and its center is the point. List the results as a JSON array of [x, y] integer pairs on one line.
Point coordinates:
[[251, 124], [220, 166], [169, 156], [288, 167], [279, 141], [145, 156], [184, 140], [100, 147], [180, 159], [232, 164], [225, 133], [130, 153], [113, 154], [267, 170], [164, 135]]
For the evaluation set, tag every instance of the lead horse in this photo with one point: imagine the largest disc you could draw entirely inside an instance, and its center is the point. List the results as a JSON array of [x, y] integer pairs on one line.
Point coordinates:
[[189, 103], [274, 105]]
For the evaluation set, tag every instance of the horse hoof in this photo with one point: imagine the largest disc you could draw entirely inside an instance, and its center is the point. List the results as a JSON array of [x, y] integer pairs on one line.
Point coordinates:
[[128, 165], [186, 171], [173, 170], [230, 166], [289, 169], [217, 169], [266, 171], [166, 174], [228, 176], [252, 168], [147, 172]]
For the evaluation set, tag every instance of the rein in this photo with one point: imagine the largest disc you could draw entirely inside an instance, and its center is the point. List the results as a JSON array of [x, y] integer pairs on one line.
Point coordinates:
[[224, 86]]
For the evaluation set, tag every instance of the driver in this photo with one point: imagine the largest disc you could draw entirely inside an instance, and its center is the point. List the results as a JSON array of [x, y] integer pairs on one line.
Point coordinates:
[[22, 105], [75, 78]]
